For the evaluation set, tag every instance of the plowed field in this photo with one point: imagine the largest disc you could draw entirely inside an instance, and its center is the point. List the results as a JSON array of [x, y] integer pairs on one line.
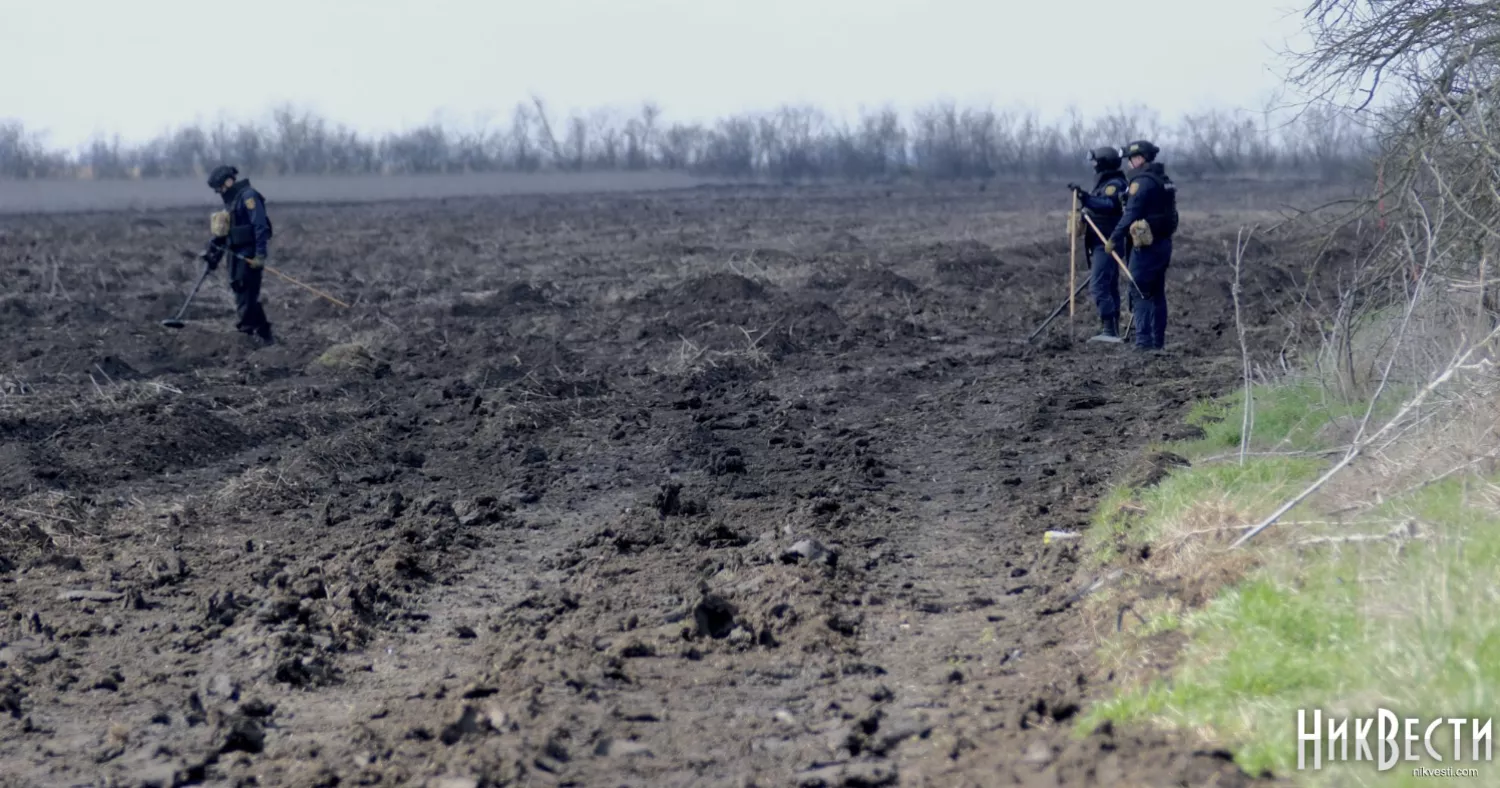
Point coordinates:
[[716, 486]]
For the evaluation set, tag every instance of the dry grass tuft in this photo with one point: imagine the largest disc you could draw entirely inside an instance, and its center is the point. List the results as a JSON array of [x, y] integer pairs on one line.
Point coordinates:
[[46, 522], [1192, 554], [349, 357], [260, 489]]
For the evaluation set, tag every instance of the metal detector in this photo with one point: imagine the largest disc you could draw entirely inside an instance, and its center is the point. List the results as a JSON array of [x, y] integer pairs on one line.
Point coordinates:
[[176, 322], [1057, 311]]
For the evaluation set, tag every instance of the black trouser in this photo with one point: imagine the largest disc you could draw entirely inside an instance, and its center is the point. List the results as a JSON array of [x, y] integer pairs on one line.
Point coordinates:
[[1104, 275], [1148, 265], [245, 282]]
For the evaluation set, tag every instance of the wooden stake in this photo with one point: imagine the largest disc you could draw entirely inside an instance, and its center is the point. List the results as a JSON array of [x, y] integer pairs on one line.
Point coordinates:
[[1073, 227]]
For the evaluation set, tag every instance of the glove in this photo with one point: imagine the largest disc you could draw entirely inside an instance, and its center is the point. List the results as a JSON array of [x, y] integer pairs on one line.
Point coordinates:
[[1109, 246], [254, 262], [218, 224]]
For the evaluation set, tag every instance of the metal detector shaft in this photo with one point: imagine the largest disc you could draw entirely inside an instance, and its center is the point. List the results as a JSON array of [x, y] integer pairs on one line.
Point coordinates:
[[196, 285], [1058, 311]]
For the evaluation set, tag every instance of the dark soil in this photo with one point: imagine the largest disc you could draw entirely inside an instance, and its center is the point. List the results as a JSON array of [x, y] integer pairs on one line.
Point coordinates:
[[708, 487]]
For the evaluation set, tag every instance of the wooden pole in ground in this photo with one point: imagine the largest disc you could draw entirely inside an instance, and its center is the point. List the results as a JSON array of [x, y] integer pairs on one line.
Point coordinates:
[[1073, 228]]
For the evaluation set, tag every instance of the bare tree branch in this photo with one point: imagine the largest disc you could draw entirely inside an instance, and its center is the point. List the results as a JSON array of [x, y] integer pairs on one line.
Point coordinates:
[[943, 141]]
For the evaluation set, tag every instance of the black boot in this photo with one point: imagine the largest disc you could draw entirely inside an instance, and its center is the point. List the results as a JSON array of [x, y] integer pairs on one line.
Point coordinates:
[[1109, 332]]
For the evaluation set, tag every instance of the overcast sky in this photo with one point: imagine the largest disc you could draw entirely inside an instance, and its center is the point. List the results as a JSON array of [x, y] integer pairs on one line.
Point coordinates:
[[77, 68]]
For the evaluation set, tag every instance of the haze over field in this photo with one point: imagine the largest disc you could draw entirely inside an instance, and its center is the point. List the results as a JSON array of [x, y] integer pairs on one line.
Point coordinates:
[[380, 66]]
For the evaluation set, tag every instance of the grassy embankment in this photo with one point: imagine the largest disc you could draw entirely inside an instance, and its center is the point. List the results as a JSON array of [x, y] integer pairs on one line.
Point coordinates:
[[1406, 617]]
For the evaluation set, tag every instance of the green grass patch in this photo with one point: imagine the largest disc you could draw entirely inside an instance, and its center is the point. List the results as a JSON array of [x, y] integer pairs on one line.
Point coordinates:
[[1289, 419], [1302, 415], [1347, 628], [1141, 518], [1292, 423]]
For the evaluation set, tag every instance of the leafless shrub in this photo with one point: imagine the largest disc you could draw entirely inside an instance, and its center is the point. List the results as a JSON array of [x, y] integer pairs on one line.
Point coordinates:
[[1427, 76], [24, 155], [942, 141], [1415, 322]]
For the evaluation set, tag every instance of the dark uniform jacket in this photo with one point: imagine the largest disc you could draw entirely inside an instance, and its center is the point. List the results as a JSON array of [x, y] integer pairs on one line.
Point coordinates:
[[1105, 205], [249, 225], [1152, 196]]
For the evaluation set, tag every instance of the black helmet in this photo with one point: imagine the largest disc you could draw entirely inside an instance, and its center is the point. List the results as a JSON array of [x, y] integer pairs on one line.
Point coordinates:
[[220, 174], [1105, 159], [1142, 148]]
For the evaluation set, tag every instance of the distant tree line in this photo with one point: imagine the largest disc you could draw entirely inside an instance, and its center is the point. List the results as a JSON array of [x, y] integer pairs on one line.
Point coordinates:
[[942, 141]]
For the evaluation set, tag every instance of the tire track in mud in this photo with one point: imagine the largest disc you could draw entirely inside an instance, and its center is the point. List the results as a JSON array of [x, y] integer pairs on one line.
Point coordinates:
[[933, 659], [608, 513]]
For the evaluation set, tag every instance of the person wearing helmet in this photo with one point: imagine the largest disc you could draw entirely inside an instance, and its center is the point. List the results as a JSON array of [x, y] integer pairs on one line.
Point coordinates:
[[242, 231], [1104, 206], [1150, 218]]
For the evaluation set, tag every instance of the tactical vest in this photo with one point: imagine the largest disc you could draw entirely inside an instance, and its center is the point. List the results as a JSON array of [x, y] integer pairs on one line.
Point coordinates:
[[241, 231], [1161, 213]]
